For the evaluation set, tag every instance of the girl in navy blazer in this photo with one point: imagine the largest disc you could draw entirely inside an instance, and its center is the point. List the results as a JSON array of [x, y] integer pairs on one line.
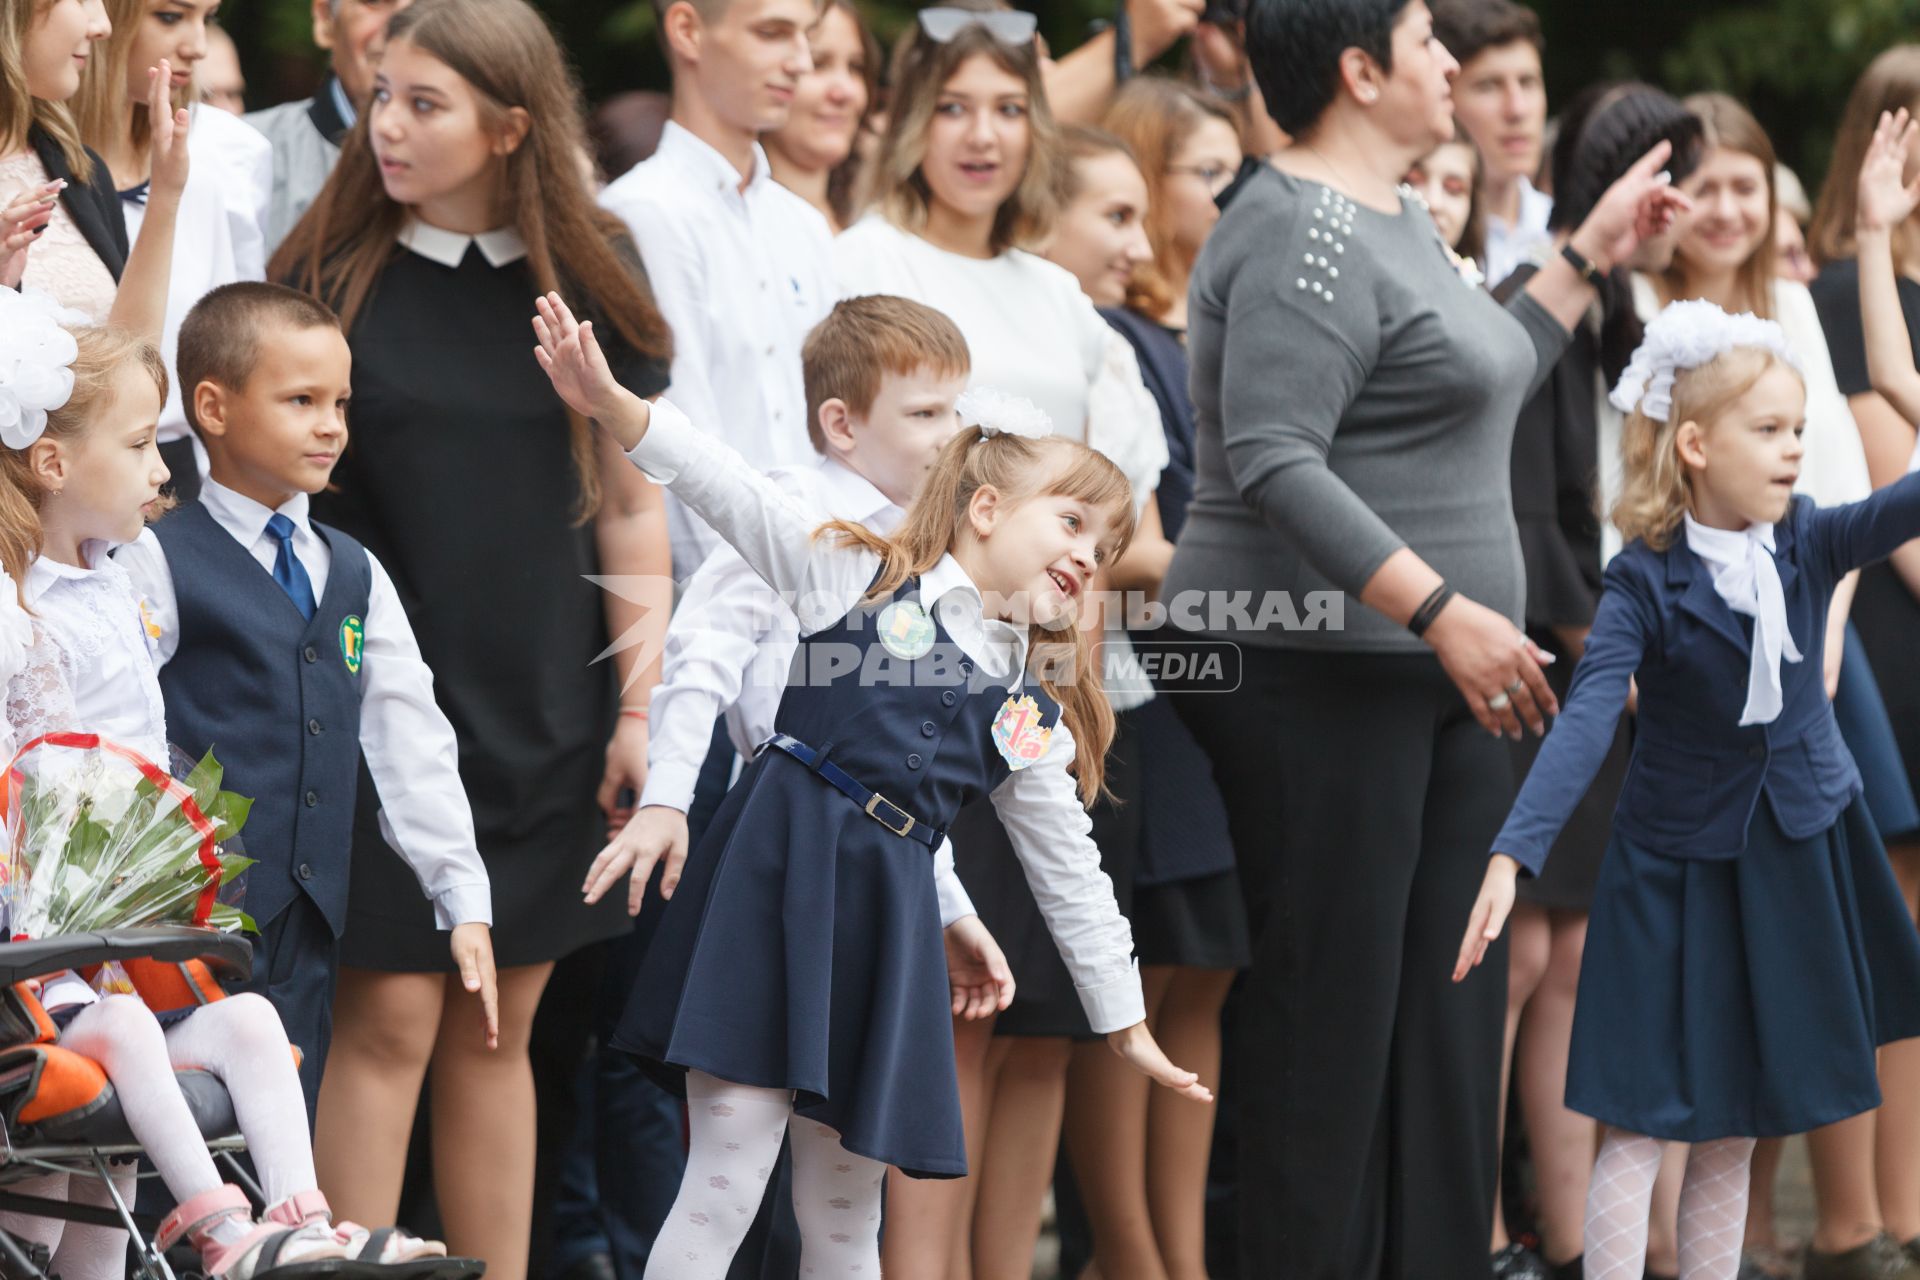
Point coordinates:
[[1749, 949]]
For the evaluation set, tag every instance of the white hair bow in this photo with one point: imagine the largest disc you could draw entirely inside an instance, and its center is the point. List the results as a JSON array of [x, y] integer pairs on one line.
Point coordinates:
[[998, 413], [1686, 335], [36, 363]]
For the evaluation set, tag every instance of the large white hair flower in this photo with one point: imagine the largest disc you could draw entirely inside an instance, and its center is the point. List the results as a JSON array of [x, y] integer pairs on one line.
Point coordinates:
[[36, 359], [1686, 335], [998, 413]]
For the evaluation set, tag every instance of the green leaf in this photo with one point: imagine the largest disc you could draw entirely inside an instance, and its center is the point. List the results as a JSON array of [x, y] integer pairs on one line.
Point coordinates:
[[204, 781]]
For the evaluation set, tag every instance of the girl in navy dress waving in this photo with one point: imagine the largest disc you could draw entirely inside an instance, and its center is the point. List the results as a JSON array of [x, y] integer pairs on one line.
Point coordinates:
[[1749, 949], [798, 968]]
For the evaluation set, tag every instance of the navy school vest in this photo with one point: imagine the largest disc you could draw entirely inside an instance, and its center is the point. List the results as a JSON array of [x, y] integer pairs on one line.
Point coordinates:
[[277, 700], [907, 712]]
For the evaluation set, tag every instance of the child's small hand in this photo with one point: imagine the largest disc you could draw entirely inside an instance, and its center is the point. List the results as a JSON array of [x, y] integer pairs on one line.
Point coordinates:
[[1490, 912], [976, 970], [472, 947], [167, 141], [656, 832], [1142, 1052], [1886, 198], [572, 358]]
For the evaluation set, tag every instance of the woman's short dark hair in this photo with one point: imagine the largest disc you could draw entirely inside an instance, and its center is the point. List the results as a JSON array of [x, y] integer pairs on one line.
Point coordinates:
[[1603, 131], [1294, 47]]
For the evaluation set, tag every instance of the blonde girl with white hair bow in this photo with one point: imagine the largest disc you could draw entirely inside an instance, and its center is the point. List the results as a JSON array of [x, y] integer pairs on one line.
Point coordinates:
[[1748, 949]]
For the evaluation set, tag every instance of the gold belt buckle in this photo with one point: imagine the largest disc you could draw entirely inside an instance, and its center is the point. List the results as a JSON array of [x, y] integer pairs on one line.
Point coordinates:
[[875, 800]]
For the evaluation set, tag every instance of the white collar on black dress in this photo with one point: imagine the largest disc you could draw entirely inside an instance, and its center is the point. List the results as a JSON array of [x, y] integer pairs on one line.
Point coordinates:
[[448, 247]]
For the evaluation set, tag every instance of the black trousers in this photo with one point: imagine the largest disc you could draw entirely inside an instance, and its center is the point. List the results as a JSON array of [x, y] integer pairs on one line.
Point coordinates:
[[1363, 799]]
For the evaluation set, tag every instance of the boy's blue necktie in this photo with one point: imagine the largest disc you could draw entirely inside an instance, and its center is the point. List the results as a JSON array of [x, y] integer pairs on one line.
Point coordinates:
[[287, 569]]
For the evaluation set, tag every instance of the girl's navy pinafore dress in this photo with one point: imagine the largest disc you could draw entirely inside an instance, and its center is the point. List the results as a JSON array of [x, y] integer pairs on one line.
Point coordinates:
[[802, 949]]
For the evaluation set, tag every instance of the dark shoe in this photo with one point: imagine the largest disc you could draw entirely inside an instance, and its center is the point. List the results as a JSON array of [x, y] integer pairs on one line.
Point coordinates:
[[1880, 1258], [1574, 1268], [1517, 1262]]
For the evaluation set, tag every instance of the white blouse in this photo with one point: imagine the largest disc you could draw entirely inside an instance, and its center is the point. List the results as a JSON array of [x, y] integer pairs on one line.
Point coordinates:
[[1038, 805], [98, 629]]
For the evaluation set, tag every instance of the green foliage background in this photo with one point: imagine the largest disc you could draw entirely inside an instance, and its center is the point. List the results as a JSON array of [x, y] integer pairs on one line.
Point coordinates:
[[1792, 60]]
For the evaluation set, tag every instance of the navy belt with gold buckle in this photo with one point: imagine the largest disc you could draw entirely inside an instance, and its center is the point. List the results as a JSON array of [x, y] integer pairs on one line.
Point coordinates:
[[871, 802]]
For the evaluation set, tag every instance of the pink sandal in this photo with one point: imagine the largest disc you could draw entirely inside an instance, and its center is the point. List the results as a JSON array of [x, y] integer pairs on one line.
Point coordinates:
[[395, 1251], [315, 1251]]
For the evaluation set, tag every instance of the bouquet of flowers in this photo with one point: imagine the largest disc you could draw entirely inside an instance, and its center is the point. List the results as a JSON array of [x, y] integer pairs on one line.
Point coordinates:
[[99, 837]]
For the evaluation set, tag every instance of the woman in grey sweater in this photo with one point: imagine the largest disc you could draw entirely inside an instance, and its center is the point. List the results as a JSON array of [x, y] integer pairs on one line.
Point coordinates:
[[1355, 403]]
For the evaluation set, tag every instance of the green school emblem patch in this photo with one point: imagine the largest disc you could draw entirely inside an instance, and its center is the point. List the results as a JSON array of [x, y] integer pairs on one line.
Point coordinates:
[[353, 642], [906, 630]]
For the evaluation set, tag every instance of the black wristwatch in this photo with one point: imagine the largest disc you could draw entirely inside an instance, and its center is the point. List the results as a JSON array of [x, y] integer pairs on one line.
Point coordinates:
[[1122, 45], [1579, 262]]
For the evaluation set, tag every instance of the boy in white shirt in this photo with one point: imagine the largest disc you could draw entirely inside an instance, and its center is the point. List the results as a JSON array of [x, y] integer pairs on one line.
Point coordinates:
[[738, 264], [1500, 103], [283, 647]]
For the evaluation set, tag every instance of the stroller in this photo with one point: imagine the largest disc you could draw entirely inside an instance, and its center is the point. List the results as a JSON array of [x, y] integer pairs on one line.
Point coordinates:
[[59, 1112]]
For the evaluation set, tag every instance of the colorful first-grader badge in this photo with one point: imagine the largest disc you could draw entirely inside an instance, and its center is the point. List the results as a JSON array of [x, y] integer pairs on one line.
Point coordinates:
[[906, 630], [353, 642], [1017, 732]]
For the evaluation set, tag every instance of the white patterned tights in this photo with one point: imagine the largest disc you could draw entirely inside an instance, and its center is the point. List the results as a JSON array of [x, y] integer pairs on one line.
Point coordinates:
[[1713, 1207], [734, 1141]]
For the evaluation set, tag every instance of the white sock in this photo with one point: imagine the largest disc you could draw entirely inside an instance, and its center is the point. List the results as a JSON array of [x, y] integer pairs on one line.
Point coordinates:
[[241, 1041], [1618, 1200], [1713, 1209], [121, 1034], [836, 1200], [734, 1139]]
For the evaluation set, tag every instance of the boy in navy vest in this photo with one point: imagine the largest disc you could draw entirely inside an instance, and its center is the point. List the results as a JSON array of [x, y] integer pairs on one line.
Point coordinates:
[[283, 648]]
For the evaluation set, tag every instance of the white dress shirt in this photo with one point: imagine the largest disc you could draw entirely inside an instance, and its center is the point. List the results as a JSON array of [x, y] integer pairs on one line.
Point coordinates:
[[1527, 239], [221, 231], [406, 739], [1039, 805], [730, 647], [741, 277]]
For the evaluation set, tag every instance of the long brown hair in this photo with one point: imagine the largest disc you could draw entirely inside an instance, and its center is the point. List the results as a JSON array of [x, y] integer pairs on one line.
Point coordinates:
[[1728, 125], [20, 111], [1655, 490], [103, 354], [1018, 468], [920, 71], [506, 52], [1155, 117], [1890, 82]]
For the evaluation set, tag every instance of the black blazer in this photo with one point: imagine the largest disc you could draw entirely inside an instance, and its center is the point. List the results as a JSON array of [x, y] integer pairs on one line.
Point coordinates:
[[94, 206]]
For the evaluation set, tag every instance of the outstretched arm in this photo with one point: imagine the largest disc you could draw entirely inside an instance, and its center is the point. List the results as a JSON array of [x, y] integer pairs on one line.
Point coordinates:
[[752, 513], [1886, 200]]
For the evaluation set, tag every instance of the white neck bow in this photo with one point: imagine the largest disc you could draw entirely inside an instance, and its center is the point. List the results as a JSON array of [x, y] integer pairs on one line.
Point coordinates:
[[1746, 577]]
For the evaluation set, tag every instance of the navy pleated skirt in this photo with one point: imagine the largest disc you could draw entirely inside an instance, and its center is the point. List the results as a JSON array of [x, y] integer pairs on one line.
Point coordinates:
[[814, 963], [1746, 997]]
